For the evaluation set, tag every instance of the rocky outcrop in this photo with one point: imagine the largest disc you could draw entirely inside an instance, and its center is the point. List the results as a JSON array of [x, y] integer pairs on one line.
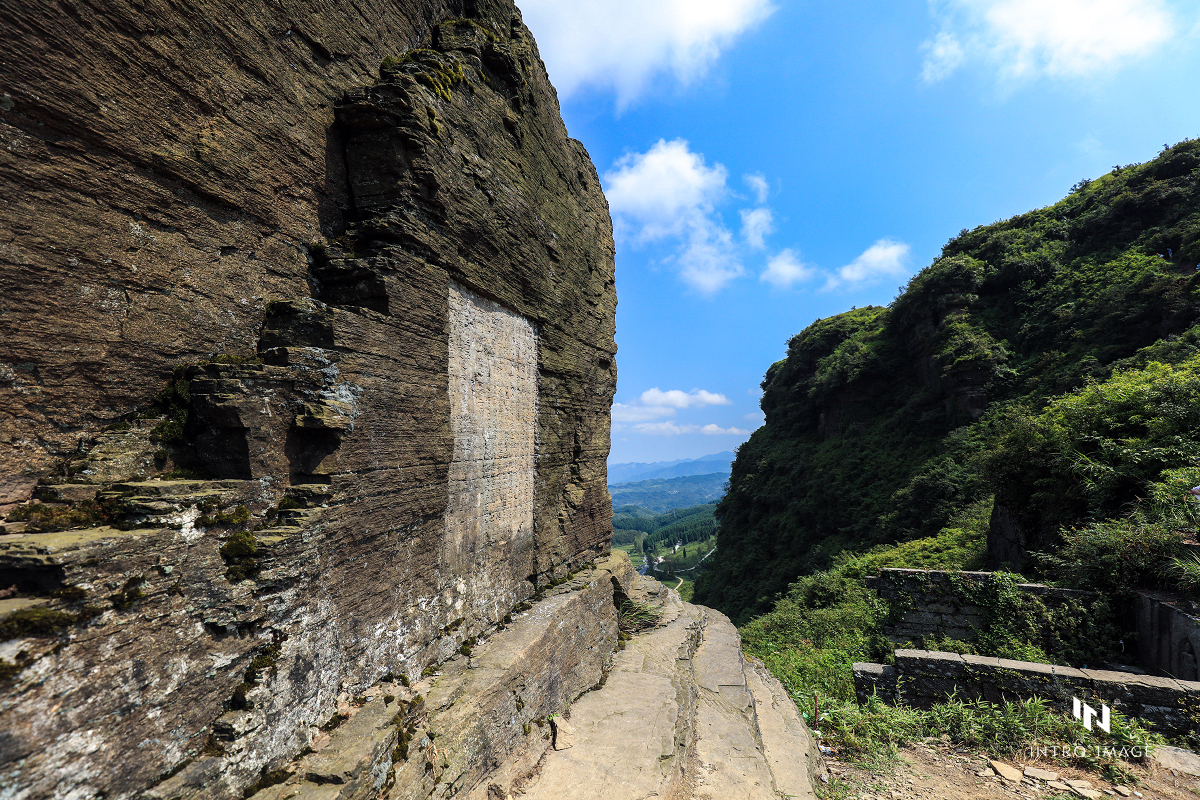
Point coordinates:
[[306, 350], [544, 708], [478, 719]]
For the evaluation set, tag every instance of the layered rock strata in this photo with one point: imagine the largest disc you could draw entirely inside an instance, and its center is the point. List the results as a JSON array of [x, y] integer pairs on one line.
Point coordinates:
[[344, 307], [163, 167]]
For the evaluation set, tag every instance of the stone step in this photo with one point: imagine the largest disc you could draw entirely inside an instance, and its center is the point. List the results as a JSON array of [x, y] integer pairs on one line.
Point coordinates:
[[310, 495], [38, 550], [182, 488], [177, 504], [11, 605]]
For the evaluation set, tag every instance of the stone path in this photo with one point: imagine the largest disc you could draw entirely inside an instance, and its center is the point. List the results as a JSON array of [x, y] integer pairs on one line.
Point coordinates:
[[683, 714]]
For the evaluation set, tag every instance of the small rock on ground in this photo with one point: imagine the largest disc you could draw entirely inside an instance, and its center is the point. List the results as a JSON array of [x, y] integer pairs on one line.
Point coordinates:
[[1005, 771], [1177, 759]]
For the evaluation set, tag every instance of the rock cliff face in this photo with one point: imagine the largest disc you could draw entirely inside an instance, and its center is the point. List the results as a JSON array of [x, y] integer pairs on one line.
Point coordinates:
[[306, 351]]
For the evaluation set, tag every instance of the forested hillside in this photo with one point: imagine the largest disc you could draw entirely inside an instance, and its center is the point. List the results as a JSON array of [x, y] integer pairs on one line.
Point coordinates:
[[683, 525], [1047, 365]]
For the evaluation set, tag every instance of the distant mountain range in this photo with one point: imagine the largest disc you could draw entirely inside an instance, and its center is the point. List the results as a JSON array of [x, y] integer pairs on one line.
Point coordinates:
[[704, 465]]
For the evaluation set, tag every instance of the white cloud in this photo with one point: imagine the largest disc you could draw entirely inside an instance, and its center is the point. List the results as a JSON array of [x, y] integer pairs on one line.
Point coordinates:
[[1025, 38], [623, 45], [758, 184], [638, 413], [676, 398], [671, 429], [669, 192], [716, 430], [786, 268], [709, 261], [757, 417], [756, 224], [663, 191], [943, 54], [656, 403], [885, 258], [665, 428]]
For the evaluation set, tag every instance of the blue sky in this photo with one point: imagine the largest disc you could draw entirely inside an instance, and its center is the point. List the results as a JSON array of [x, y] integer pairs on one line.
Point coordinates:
[[769, 163]]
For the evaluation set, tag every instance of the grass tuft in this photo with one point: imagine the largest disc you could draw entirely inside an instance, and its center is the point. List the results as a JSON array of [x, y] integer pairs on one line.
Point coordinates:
[[633, 616]]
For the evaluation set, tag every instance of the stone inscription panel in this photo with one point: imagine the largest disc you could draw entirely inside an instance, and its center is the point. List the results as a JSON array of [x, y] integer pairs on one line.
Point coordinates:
[[488, 544]]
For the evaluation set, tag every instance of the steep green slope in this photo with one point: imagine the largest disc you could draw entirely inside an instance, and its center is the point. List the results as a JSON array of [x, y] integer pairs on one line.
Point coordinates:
[[882, 422]]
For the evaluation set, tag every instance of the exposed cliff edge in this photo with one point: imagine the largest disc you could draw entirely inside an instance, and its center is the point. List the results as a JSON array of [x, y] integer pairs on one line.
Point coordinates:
[[1015, 373]]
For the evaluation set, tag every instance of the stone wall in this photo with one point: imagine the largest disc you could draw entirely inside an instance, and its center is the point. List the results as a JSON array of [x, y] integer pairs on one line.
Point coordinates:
[[1162, 632], [354, 325], [1168, 636], [931, 606], [921, 678]]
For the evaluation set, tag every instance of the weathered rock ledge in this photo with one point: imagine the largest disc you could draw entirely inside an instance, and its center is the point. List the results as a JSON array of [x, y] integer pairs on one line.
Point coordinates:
[[544, 708]]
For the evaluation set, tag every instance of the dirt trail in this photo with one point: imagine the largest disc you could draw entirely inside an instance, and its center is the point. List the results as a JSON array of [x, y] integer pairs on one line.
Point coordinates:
[[936, 770]]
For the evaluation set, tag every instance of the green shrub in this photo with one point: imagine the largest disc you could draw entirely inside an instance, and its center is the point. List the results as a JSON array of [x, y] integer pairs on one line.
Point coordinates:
[[826, 623], [173, 403], [634, 616], [1003, 730], [239, 516], [1186, 569], [43, 517], [1115, 556], [129, 594], [241, 554], [1092, 452], [829, 620]]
